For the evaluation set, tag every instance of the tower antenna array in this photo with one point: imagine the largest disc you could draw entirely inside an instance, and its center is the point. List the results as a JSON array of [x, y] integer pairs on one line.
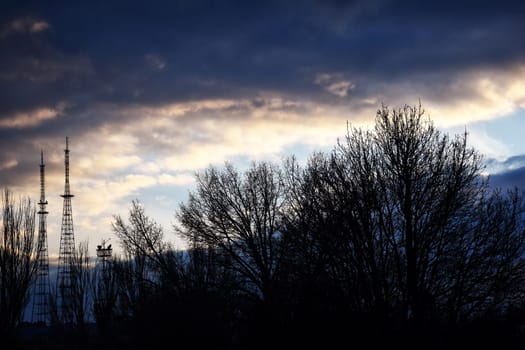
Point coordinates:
[[67, 249], [40, 312]]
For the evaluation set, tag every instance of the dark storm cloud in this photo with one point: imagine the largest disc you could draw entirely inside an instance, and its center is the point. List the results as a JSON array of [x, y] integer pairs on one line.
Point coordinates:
[[98, 52], [150, 91], [86, 59]]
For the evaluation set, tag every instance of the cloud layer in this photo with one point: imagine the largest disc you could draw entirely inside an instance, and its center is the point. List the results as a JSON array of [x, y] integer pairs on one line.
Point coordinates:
[[150, 93]]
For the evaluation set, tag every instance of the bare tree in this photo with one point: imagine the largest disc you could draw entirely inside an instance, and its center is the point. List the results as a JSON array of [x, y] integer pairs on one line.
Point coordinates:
[[18, 259], [429, 186], [394, 216], [241, 216], [81, 286], [132, 289], [150, 263], [484, 269]]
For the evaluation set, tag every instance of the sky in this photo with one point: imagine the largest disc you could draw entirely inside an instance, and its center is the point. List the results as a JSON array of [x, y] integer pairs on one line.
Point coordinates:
[[149, 93]]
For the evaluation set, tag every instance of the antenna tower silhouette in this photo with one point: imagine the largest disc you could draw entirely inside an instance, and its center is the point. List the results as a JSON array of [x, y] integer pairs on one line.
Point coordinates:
[[40, 312], [67, 249]]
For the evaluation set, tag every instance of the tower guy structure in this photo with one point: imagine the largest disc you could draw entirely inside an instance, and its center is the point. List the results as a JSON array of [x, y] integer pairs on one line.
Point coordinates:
[[40, 312], [66, 251]]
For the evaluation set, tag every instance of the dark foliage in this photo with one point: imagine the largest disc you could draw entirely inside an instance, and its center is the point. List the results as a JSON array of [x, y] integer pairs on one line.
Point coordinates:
[[18, 259]]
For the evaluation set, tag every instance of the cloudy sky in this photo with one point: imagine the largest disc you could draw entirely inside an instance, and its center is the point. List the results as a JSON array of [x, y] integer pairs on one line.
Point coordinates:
[[150, 92]]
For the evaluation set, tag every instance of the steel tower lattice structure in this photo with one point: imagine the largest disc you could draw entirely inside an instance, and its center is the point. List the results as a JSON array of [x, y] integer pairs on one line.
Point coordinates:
[[67, 249], [40, 312]]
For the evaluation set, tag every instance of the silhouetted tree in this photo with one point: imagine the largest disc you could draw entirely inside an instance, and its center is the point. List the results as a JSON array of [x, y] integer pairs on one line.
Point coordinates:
[[152, 264], [164, 289], [484, 271], [241, 216], [18, 259], [392, 217], [81, 286], [132, 288], [141, 241], [432, 193]]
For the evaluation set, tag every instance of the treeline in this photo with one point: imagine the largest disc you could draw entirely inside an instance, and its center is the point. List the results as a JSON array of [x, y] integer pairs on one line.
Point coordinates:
[[393, 236]]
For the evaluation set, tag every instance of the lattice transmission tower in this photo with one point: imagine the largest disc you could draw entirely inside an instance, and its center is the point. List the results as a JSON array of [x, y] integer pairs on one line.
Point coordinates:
[[67, 249], [40, 311]]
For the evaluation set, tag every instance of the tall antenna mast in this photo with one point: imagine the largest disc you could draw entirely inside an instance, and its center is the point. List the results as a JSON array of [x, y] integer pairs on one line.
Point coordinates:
[[67, 249], [40, 313]]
